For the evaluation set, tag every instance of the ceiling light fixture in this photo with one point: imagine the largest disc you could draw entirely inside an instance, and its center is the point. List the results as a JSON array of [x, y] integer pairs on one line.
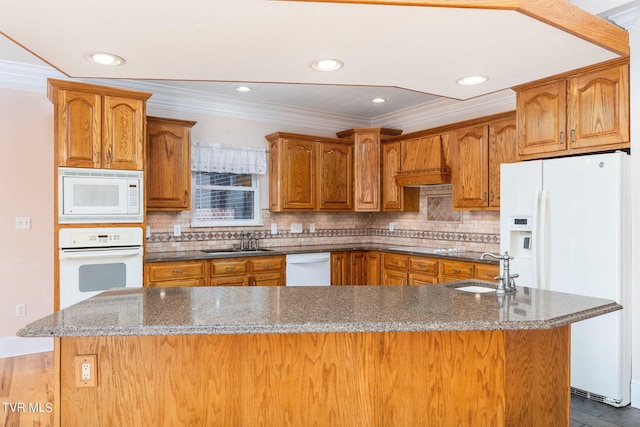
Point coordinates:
[[472, 80], [327, 64], [378, 100], [104, 58], [243, 89]]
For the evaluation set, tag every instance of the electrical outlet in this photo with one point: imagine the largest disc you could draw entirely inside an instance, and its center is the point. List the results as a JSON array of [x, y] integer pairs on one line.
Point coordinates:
[[296, 227], [176, 230], [86, 370], [274, 228], [312, 228], [21, 310]]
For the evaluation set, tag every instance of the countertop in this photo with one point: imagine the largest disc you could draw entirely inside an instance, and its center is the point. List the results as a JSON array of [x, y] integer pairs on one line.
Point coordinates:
[[321, 309], [284, 250]]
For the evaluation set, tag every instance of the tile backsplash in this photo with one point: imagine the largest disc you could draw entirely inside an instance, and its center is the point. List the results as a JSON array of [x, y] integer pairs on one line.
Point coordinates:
[[435, 225]]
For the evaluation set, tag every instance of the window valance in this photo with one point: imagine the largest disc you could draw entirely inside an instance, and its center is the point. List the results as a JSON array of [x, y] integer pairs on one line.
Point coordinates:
[[210, 157]]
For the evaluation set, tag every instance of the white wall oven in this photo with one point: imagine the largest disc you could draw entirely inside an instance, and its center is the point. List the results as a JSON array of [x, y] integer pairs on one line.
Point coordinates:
[[93, 260], [99, 196]]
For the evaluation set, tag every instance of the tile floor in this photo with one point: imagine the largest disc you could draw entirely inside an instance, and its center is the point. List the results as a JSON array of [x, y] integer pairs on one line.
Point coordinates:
[[587, 413]]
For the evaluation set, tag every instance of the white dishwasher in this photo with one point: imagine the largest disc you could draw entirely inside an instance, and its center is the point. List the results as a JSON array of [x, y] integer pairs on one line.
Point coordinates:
[[310, 269]]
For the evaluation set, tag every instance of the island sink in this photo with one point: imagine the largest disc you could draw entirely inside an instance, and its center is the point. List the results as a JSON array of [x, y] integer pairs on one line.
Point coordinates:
[[234, 251]]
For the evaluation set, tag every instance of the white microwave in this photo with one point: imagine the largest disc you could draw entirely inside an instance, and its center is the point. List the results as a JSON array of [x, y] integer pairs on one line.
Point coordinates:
[[99, 196]]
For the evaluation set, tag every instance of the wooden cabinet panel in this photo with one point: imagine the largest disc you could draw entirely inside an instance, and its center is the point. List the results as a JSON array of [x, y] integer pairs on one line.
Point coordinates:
[[357, 267], [395, 261], [339, 268], [168, 164], [372, 268], [456, 270], [335, 176], [239, 280], [97, 126], [299, 174], [470, 168], [598, 108], [367, 171], [229, 266], [424, 265], [394, 278], [394, 197], [486, 271], [502, 149], [541, 119], [417, 279], [78, 129], [176, 273], [268, 279], [424, 159], [268, 263]]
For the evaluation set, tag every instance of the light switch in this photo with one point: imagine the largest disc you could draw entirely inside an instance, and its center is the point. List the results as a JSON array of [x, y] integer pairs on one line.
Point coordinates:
[[23, 222]]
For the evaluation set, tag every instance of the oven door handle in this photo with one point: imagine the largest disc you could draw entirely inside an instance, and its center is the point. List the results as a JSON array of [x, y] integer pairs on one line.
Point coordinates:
[[111, 253]]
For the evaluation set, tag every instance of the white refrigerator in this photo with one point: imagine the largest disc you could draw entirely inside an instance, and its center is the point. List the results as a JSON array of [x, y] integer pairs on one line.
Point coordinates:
[[566, 221]]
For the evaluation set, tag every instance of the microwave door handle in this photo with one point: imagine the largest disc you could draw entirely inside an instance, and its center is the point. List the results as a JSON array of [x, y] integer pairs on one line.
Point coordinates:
[[100, 254]]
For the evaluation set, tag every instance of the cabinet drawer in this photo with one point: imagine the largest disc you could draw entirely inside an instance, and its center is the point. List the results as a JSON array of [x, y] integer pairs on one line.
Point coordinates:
[[272, 263], [175, 270], [487, 271], [452, 270], [177, 283], [395, 261], [422, 279], [229, 267], [425, 266], [240, 280]]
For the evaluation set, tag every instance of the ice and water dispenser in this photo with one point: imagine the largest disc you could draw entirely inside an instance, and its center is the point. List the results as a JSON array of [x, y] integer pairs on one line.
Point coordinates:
[[520, 246]]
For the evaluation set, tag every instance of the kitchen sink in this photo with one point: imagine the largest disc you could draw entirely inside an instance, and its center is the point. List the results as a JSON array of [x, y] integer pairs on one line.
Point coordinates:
[[234, 251], [475, 289]]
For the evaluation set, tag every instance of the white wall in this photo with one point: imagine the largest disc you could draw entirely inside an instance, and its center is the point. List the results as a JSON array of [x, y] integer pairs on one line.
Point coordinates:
[[26, 189]]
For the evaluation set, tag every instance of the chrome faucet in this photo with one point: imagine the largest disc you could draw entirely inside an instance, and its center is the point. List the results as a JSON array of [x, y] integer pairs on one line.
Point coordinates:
[[506, 281], [242, 236]]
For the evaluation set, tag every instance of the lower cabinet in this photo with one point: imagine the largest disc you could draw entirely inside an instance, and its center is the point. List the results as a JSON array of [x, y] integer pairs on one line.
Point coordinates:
[[355, 268], [176, 273], [248, 271]]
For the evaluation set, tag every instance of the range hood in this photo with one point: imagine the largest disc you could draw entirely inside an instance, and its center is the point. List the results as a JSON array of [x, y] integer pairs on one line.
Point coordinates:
[[424, 161]]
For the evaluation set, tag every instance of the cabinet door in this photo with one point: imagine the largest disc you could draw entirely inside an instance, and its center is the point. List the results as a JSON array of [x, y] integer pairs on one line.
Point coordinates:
[[78, 129], [123, 134], [299, 174], [394, 278], [168, 164], [267, 279], [372, 268], [394, 197], [335, 169], [470, 176], [237, 280], [177, 271], [417, 279], [502, 149], [357, 268], [339, 268], [598, 108], [367, 171], [541, 117]]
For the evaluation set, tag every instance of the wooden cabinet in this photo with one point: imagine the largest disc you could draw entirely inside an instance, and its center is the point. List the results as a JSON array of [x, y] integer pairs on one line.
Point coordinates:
[[395, 269], [97, 126], [367, 156], [176, 273], [423, 271], [424, 158], [335, 175], [486, 271], [339, 268], [355, 268], [584, 112], [456, 270], [248, 271], [308, 173], [372, 268], [477, 153], [394, 197], [168, 164]]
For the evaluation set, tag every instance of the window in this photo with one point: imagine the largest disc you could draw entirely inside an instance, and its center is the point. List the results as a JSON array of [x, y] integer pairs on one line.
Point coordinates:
[[222, 198]]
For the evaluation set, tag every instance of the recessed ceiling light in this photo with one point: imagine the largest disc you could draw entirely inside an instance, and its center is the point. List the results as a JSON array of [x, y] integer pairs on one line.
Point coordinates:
[[327, 64], [243, 89], [378, 100], [472, 80], [104, 58]]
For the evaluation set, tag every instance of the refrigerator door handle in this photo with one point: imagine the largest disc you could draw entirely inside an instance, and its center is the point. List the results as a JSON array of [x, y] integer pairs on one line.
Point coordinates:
[[542, 232], [534, 237]]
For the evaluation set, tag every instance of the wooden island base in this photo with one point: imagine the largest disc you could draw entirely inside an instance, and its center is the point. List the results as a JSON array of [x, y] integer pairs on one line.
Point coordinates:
[[470, 378]]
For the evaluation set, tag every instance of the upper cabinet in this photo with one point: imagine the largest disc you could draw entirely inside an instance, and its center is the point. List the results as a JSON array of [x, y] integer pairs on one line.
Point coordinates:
[[309, 173], [394, 197], [168, 164], [477, 152], [98, 127], [579, 113], [367, 156]]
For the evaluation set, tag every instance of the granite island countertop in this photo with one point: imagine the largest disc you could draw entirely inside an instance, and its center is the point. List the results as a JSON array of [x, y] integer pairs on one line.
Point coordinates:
[[321, 309], [473, 256]]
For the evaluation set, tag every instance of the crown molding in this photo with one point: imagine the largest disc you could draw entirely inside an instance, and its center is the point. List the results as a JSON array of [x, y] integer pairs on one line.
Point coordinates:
[[625, 16], [33, 78]]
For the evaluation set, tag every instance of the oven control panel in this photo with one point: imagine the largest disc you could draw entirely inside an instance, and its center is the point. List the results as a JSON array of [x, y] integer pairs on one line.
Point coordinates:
[[99, 237]]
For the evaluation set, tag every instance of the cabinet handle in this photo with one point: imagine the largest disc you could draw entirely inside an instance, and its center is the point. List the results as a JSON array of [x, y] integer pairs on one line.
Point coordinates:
[[561, 137], [186, 196], [178, 271], [572, 135], [455, 270]]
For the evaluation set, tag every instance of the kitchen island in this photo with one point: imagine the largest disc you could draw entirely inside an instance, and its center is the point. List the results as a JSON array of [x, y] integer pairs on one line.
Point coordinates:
[[342, 356]]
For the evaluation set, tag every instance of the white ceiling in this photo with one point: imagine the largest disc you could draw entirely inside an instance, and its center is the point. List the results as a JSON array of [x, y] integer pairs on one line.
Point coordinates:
[[408, 55]]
